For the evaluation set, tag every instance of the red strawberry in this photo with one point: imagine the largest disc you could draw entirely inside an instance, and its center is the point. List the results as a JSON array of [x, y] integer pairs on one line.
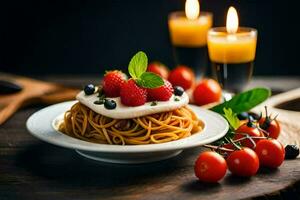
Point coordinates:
[[132, 95], [112, 82], [162, 93]]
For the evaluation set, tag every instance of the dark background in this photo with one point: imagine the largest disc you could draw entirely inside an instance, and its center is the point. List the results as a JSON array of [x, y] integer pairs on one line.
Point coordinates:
[[86, 36]]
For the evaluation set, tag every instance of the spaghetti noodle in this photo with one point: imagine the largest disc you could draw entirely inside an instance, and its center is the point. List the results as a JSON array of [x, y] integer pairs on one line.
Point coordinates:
[[83, 123]]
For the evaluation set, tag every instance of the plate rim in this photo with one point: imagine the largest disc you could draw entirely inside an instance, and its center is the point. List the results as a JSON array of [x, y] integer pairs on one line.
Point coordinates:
[[108, 148]]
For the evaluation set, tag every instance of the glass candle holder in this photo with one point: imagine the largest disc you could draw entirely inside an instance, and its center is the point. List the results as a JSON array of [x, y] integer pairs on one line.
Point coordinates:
[[189, 40], [232, 56]]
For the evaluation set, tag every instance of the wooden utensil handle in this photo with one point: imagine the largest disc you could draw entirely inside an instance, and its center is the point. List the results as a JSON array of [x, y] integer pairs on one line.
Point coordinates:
[[8, 110], [59, 96]]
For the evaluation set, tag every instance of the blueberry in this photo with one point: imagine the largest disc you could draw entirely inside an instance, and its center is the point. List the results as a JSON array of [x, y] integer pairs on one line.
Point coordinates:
[[178, 91], [255, 116], [248, 115], [243, 116], [291, 151], [110, 104], [89, 89]]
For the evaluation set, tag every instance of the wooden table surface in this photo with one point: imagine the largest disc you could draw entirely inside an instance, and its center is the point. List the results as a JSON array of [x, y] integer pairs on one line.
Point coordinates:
[[32, 169]]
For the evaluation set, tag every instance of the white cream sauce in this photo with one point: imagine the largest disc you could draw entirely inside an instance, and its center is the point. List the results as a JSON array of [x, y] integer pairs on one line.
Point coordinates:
[[127, 112]]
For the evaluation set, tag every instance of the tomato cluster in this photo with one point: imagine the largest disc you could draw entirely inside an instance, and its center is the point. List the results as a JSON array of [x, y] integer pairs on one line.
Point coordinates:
[[253, 145], [204, 92], [254, 142], [211, 166]]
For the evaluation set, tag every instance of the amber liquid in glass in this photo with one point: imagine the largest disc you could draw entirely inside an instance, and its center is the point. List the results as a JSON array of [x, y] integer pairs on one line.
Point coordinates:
[[233, 77]]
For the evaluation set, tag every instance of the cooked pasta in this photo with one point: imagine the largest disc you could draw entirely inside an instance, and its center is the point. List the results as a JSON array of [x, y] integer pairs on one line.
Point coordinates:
[[83, 123]]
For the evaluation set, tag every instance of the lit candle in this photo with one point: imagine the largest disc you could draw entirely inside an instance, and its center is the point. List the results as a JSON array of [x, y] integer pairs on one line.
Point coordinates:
[[232, 44], [232, 52], [188, 33], [190, 29]]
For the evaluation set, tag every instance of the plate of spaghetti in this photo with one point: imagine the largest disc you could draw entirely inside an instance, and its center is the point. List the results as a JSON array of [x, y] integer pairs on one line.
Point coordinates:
[[128, 120]]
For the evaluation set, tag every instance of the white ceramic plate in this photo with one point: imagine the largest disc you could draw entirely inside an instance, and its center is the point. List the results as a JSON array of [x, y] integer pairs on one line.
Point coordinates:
[[43, 123]]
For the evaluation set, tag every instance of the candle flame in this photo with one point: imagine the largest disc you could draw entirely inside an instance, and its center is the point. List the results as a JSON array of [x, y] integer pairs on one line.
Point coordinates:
[[232, 21], [192, 9]]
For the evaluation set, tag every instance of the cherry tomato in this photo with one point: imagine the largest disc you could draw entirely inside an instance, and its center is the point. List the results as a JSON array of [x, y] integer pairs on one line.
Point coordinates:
[[207, 91], [243, 162], [270, 153], [182, 76], [251, 131], [159, 69], [271, 126], [210, 167]]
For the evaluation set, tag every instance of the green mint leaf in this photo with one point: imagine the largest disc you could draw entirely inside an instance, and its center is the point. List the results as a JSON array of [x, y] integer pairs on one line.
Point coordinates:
[[244, 101], [153, 103], [149, 80], [99, 102], [232, 118], [138, 65]]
